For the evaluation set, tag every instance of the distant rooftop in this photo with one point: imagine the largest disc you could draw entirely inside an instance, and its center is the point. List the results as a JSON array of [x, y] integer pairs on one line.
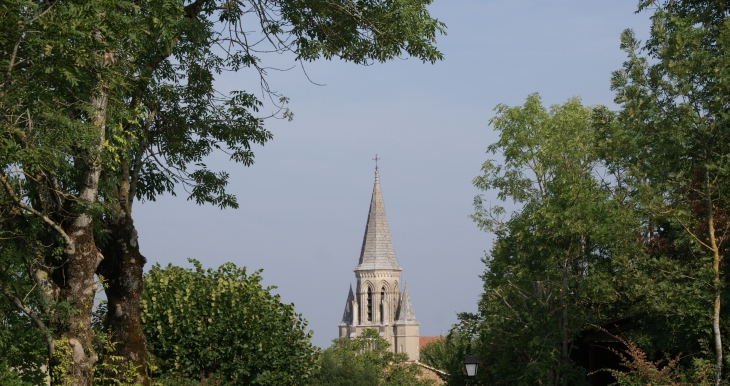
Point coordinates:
[[424, 340]]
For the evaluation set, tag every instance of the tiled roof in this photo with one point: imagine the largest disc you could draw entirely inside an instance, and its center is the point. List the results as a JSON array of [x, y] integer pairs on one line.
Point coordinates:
[[424, 340]]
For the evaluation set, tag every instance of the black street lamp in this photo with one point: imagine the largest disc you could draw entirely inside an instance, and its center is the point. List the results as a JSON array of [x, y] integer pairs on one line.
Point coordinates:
[[470, 365]]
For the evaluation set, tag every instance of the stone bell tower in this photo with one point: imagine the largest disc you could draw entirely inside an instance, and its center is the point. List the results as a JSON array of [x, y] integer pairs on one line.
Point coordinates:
[[377, 302]]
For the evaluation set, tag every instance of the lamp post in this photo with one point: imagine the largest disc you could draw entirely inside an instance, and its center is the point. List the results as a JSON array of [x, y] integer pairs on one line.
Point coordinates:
[[470, 365]]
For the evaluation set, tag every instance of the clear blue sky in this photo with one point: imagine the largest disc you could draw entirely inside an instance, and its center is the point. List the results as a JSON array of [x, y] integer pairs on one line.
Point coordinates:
[[304, 203]]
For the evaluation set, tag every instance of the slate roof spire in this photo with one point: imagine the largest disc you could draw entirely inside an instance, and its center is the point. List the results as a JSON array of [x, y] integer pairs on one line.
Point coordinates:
[[406, 315], [377, 248], [347, 316]]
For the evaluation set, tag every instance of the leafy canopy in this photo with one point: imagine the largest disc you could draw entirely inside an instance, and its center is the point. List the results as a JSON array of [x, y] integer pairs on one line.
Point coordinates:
[[223, 323], [559, 258], [365, 360]]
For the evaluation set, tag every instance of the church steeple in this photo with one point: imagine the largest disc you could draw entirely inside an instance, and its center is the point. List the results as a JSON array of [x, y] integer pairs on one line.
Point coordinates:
[[376, 301], [377, 248]]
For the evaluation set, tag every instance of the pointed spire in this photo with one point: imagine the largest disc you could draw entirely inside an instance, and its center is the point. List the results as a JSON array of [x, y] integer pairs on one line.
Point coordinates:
[[377, 248], [347, 315], [406, 315]]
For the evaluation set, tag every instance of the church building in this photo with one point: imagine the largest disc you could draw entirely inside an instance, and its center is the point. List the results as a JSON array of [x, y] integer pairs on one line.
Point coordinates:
[[378, 302]]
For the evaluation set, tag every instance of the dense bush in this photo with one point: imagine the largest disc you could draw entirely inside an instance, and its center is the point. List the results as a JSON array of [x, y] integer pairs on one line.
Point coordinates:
[[222, 323]]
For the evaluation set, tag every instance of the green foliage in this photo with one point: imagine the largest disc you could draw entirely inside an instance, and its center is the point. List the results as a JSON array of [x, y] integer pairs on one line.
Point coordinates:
[[339, 369], [156, 64], [642, 371], [23, 348], [223, 323], [618, 214], [22, 345], [10, 376], [447, 354], [382, 30], [365, 361], [556, 260], [112, 370], [58, 72], [177, 380], [180, 117], [671, 135], [58, 373]]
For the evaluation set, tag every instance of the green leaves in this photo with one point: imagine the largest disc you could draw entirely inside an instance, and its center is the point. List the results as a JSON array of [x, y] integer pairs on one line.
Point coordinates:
[[222, 323], [365, 361], [107, 101], [362, 31], [546, 274], [618, 213], [673, 130]]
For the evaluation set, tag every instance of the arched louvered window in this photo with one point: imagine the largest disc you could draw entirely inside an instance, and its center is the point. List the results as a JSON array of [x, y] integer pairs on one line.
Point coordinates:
[[395, 302], [382, 305], [370, 304]]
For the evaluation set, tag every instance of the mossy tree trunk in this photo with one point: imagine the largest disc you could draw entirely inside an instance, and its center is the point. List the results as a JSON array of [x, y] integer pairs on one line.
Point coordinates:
[[122, 270]]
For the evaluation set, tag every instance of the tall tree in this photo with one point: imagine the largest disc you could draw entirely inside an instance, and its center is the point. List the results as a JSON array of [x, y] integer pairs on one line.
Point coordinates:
[[107, 102], [549, 272], [674, 94], [184, 118], [58, 88]]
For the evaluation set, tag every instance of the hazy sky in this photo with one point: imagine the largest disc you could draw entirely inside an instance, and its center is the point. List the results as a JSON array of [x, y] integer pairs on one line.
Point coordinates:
[[304, 203]]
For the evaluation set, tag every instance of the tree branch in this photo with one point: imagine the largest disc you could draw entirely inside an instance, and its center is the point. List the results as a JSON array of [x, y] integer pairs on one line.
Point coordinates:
[[691, 233], [36, 319], [16, 200]]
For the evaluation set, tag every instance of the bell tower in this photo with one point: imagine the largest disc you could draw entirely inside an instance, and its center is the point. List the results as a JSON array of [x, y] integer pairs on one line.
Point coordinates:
[[377, 302]]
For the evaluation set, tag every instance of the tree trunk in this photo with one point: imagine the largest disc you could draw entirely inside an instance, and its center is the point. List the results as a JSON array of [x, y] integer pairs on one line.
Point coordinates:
[[564, 327], [717, 284], [123, 268], [73, 360]]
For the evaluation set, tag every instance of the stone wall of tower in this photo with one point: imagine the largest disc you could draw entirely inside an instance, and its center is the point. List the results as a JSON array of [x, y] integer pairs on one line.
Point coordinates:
[[403, 336], [381, 306], [407, 340]]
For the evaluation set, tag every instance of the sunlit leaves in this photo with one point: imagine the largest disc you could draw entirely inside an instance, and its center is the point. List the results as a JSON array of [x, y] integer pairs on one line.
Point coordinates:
[[365, 360], [223, 323], [546, 274]]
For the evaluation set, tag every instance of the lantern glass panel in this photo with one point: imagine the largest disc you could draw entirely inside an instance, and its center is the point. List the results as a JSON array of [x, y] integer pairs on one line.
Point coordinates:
[[471, 369]]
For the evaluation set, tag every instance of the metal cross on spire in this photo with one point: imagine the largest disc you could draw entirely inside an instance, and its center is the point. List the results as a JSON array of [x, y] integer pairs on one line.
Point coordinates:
[[376, 161]]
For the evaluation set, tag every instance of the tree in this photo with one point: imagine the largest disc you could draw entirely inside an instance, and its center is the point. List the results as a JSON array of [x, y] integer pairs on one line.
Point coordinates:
[[107, 102], [22, 348], [676, 130], [447, 354], [554, 265], [365, 361], [57, 93], [223, 323]]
